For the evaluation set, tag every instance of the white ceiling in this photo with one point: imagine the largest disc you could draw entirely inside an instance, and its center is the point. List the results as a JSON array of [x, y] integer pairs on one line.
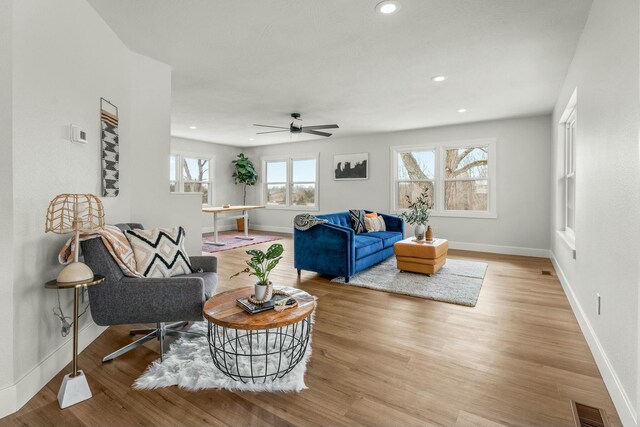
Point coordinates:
[[238, 62]]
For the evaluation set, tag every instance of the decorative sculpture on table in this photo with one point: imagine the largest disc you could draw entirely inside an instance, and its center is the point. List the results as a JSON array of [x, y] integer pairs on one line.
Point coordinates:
[[75, 213]]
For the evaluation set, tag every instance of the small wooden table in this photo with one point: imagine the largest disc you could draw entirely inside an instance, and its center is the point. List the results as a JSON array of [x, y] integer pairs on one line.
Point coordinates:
[[74, 388], [215, 210], [421, 256], [257, 347]]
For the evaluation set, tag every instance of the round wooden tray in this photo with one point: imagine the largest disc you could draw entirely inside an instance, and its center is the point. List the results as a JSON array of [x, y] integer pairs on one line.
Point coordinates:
[[223, 310]]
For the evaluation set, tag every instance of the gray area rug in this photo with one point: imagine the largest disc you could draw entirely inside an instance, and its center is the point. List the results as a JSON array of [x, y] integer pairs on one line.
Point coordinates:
[[188, 365], [457, 282]]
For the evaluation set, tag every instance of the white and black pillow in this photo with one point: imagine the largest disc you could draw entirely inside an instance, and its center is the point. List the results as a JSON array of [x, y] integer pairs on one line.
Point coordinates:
[[160, 252], [357, 220]]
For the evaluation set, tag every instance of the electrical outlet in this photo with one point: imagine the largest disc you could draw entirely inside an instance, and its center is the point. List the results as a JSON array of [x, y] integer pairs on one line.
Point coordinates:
[[598, 303]]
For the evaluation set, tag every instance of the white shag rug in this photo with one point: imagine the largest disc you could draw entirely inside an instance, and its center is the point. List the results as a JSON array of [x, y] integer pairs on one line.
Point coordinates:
[[457, 282], [188, 364]]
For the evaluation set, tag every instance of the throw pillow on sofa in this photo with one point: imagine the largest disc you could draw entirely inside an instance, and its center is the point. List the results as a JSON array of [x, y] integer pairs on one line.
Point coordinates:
[[374, 223], [357, 220], [160, 252]]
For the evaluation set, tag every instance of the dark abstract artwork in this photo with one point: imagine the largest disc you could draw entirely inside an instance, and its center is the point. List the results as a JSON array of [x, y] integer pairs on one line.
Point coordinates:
[[351, 166]]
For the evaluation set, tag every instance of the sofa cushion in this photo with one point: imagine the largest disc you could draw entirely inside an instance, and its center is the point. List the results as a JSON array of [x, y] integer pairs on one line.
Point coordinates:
[[388, 238], [210, 282], [340, 218], [160, 252], [366, 245]]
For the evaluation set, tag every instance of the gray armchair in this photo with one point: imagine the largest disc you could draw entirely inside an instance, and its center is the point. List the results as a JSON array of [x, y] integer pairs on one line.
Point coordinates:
[[171, 303]]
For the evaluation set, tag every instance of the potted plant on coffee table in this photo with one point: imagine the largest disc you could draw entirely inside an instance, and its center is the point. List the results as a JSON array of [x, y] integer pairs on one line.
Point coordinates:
[[418, 214], [245, 174], [260, 265]]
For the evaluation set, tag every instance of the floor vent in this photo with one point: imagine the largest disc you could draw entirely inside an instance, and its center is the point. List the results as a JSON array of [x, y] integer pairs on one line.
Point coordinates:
[[546, 272], [588, 416]]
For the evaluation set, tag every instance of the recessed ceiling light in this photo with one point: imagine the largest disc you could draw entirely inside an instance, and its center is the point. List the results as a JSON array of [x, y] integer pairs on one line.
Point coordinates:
[[193, 127], [439, 78], [388, 7], [462, 110], [252, 139]]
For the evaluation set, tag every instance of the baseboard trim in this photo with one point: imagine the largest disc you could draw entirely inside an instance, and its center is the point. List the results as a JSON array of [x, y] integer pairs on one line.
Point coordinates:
[[222, 227], [16, 396], [497, 249], [272, 229], [619, 397]]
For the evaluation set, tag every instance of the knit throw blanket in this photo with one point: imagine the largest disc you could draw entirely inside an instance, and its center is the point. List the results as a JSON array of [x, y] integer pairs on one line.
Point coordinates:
[[305, 221], [116, 243]]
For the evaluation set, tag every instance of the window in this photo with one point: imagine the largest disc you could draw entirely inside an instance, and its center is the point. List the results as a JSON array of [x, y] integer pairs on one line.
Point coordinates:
[[465, 179], [416, 174], [459, 177], [570, 173], [190, 174], [291, 183]]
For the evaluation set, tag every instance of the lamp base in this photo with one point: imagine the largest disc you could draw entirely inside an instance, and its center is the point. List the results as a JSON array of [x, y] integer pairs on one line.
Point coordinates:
[[75, 272], [73, 390]]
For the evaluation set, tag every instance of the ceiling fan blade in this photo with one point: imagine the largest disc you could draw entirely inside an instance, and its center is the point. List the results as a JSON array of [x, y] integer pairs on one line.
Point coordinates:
[[321, 127], [269, 126], [313, 132], [272, 131]]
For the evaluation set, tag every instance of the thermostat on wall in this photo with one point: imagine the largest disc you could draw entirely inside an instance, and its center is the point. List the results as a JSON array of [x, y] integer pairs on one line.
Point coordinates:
[[78, 135]]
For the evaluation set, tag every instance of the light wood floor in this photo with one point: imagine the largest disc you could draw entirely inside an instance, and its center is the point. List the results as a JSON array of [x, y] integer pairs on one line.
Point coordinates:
[[378, 359]]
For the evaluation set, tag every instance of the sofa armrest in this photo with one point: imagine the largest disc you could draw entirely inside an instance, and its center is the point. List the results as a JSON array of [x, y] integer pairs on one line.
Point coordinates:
[[393, 223], [326, 248], [208, 264], [147, 300]]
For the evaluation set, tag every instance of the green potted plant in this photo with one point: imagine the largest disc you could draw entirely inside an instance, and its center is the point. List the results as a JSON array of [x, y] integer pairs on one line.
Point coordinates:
[[245, 174], [418, 213], [260, 265]]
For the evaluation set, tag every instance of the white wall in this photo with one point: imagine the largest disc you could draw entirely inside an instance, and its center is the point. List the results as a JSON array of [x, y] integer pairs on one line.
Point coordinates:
[[523, 154], [224, 189], [605, 72], [52, 89], [153, 205], [6, 203], [64, 59]]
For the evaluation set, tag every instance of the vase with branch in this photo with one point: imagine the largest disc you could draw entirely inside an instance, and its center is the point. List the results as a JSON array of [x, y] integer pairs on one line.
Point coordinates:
[[418, 213], [260, 265]]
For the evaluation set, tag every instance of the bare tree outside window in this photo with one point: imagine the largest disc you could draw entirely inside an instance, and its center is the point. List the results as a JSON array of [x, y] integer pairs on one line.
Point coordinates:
[[416, 174], [193, 176], [465, 174], [466, 186]]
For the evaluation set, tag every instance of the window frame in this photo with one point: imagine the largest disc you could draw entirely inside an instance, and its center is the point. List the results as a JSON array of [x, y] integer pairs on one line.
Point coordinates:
[[440, 149], [289, 183], [569, 174], [180, 181]]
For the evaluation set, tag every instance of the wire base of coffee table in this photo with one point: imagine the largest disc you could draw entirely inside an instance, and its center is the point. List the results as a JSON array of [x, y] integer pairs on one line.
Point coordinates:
[[258, 355]]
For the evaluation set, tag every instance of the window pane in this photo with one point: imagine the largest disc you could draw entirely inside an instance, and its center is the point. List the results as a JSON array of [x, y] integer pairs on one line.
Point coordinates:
[[172, 187], [466, 195], [467, 163], [303, 194], [172, 168], [304, 170], [198, 187], [276, 194], [416, 165], [195, 169], [413, 191], [276, 171], [570, 203]]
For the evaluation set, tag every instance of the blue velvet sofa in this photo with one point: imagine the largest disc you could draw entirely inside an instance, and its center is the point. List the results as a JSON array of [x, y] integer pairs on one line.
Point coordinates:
[[335, 249]]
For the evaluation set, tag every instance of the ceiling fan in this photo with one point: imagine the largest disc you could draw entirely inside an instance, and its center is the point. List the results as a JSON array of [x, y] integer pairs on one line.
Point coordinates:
[[296, 127]]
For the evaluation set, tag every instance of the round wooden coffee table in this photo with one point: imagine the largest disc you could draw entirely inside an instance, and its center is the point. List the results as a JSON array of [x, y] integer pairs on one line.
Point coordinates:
[[257, 347]]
